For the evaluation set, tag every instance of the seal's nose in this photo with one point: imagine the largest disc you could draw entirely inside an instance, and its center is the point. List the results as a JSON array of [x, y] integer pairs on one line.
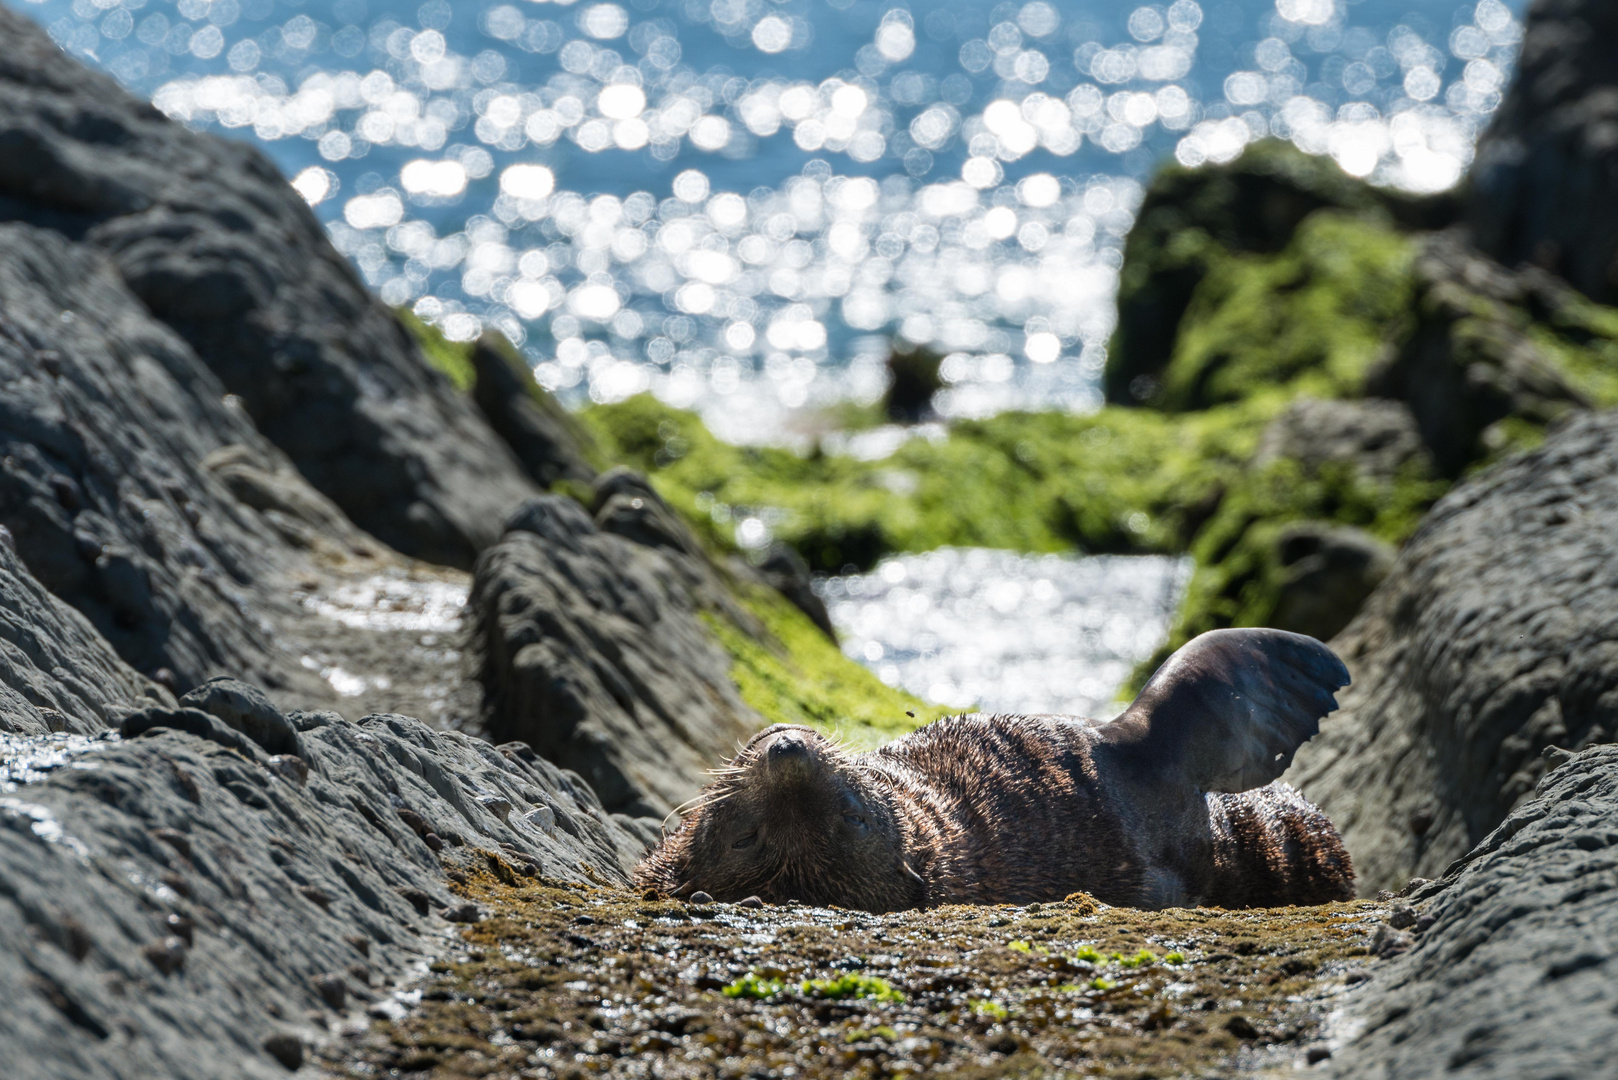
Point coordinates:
[[788, 756]]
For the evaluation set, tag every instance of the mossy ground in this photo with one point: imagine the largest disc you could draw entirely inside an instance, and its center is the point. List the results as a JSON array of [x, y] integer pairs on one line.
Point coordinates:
[[560, 980]]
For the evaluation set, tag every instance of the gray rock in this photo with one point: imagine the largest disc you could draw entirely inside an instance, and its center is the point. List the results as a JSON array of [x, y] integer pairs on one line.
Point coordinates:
[[219, 247], [1378, 438], [546, 439], [105, 420], [1514, 973], [1326, 573], [1495, 635], [244, 708], [170, 907], [1544, 185], [1469, 362], [592, 649], [56, 673]]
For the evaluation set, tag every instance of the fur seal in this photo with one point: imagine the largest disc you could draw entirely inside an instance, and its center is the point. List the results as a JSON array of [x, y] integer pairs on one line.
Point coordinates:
[[1172, 804]]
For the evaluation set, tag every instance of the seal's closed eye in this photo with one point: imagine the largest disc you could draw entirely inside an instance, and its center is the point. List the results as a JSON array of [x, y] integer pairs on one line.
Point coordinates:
[[1229, 709]]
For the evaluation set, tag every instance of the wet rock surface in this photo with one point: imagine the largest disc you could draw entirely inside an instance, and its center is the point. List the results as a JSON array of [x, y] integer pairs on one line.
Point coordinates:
[[592, 647], [1510, 971], [172, 907], [222, 251], [1494, 636]]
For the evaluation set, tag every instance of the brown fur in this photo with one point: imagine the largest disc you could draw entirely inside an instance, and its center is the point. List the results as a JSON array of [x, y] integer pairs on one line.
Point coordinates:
[[991, 809]]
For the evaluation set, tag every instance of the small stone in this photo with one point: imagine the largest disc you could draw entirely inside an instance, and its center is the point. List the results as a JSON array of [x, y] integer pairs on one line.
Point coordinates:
[[168, 955], [175, 839], [418, 899], [584, 920], [1424, 923], [316, 895], [360, 942], [1316, 1054], [1401, 916], [414, 821], [331, 989], [1241, 1027], [700, 897], [463, 913], [287, 1049], [750, 902], [433, 841], [1389, 942], [360, 973], [540, 817], [291, 767], [494, 804]]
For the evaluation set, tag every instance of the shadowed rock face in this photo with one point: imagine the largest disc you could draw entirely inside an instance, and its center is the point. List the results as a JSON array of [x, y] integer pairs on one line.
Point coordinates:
[[106, 417], [1544, 186], [592, 648], [1511, 974], [218, 246], [1495, 635], [56, 673]]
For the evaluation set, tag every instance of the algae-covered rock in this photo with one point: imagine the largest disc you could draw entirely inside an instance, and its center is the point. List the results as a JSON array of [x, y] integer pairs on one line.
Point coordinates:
[[1494, 636], [1193, 219]]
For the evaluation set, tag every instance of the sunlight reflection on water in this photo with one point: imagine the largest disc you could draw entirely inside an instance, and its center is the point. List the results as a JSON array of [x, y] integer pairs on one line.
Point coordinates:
[[1008, 632]]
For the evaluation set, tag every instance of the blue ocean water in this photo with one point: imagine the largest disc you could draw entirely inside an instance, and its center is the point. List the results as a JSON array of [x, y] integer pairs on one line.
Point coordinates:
[[738, 204]]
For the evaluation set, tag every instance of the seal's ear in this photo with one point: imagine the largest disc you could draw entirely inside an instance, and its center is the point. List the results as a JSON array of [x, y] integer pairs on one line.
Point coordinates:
[[1230, 708]]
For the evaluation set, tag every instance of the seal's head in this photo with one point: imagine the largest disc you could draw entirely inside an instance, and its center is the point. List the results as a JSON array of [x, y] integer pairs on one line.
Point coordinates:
[[793, 817]]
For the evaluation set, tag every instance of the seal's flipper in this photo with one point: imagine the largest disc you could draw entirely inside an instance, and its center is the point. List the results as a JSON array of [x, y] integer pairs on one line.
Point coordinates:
[[1231, 707]]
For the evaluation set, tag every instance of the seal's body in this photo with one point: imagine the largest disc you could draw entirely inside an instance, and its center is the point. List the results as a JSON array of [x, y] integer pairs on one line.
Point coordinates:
[[1154, 809]]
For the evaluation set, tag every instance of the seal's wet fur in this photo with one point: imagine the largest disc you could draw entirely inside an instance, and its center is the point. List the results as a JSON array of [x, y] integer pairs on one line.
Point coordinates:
[[1171, 804]]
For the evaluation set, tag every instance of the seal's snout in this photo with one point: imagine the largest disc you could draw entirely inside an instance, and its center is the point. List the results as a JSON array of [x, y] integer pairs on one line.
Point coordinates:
[[789, 757]]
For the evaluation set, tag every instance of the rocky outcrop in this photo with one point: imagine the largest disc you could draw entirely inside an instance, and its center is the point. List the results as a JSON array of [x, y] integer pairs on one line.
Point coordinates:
[[106, 418], [592, 646], [1511, 973], [218, 247], [549, 442], [170, 907], [1192, 218], [1544, 185], [1378, 438], [1471, 359], [56, 672], [1495, 635]]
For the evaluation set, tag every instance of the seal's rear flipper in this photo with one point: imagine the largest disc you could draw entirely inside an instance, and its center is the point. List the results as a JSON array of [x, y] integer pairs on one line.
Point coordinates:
[[1230, 708]]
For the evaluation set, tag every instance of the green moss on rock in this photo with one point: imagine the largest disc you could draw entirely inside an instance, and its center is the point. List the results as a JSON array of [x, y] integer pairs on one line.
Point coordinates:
[[451, 358], [800, 677], [1310, 319], [1113, 481]]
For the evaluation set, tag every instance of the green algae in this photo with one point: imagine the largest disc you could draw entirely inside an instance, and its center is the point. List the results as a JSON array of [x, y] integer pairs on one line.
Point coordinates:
[[450, 358], [798, 676], [851, 985], [1115, 481], [1309, 319], [752, 985]]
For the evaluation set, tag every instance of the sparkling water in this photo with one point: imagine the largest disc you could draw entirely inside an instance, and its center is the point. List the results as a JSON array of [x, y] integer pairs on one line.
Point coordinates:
[[1006, 632], [738, 204]]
